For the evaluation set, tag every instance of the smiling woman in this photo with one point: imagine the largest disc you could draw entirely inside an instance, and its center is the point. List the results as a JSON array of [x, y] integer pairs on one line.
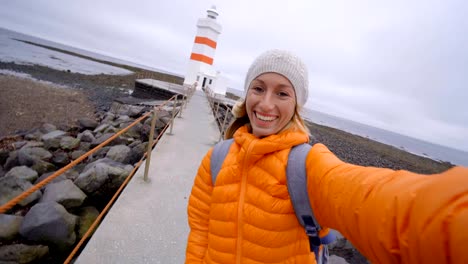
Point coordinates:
[[244, 209]]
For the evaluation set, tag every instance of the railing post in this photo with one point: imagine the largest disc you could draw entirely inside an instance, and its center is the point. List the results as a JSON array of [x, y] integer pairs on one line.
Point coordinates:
[[181, 107], [150, 145], [173, 114], [224, 122]]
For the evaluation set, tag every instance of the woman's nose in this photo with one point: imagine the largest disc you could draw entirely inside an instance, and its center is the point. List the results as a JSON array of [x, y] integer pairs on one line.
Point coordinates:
[[267, 101]]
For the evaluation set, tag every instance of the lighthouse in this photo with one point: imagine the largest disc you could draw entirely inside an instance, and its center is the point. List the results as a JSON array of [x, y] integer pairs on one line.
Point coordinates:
[[200, 67]]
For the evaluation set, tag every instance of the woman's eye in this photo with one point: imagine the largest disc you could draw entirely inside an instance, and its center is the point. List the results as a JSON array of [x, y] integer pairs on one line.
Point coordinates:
[[257, 89], [283, 94]]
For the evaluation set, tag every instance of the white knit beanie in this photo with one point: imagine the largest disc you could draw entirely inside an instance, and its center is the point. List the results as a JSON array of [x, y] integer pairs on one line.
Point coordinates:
[[286, 64]]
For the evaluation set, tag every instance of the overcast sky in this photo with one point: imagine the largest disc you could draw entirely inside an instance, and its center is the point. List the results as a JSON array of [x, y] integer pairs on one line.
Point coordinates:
[[397, 65]]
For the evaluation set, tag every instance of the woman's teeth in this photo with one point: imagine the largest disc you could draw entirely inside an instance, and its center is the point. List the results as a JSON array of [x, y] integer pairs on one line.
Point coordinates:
[[265, 118]]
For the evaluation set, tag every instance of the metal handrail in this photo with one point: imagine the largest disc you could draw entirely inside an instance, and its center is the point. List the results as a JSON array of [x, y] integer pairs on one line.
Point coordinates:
[[215, 108]]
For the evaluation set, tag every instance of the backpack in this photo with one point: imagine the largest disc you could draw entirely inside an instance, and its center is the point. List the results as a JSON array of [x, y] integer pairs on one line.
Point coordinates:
[[297, 186]]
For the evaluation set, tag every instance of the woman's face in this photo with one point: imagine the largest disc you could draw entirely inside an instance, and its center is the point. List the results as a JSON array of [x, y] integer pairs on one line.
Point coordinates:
[[270, 104]]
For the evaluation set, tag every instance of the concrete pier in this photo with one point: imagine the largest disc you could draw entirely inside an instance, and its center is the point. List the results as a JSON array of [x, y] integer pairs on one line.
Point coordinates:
[[148, 222]]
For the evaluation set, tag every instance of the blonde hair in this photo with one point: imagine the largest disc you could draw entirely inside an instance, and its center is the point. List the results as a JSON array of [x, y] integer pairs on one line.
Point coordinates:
[[241, 118]]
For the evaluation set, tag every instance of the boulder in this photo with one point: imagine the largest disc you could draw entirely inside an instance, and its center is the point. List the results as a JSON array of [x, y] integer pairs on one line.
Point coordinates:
[[65, 193], [10, 187], [101, 139], [60, 158], [92, 179], [85, 146], [119, 153], [137, 152], [49, 223], [23, 172], [44, 176], [29, 156], [3, 156], [69, 143], [47, 128], [86, 136], [77, 153], [42, 166], [9, 226], [86, 217], [101, 127], [21, 253], [53, 134], [12, 161], [87, 123], [334, 259]]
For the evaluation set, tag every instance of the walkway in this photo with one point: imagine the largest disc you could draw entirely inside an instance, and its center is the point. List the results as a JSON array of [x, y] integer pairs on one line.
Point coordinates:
[[148, 222]]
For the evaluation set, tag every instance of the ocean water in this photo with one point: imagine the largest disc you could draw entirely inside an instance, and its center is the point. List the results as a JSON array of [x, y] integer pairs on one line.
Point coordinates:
[[410, 144]]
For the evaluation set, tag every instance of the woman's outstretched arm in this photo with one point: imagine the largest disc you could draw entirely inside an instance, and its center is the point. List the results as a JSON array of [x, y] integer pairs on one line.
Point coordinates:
[[198, 213], [392, 216]]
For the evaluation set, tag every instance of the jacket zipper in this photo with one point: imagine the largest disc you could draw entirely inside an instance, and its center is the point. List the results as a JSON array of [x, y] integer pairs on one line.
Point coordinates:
[[240, 213]]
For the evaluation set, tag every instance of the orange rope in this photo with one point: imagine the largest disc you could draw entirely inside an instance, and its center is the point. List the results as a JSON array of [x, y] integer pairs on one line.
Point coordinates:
[[36, 187], [104, 211]]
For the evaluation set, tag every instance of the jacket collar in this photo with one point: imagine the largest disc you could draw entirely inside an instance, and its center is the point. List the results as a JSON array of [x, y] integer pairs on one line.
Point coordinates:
[[284, 140]]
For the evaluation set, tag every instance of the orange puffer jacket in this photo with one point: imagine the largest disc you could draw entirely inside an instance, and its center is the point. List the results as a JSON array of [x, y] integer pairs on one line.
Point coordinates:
[[248, 216]]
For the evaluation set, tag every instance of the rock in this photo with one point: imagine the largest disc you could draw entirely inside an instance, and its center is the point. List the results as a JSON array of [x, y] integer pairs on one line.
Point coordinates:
[[43, 166], [69, 143], [134, 131], [23, 172], [12, 161], [44, 176], [29, 156], [34, 144], [101, 139], [76, 154], [92, 179], [134, 144], [36, 135], [19, 144], [86, 217], [2, 172], [49, 223], [10, 187], [102, 175], [9, 226], [52, 143], [119, 153], [47, 128], [137, 152], [101, 128], [86, 136], [3, 156], [109, 117], [333, 259], [111, 130], [53, 134], [87, 123], [60, 158], [85, 146], [65, 193], [21, 253]]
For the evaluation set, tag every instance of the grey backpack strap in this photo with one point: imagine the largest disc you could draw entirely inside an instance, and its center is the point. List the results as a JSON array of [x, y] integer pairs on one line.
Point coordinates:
[[220, 151], [297, 186]]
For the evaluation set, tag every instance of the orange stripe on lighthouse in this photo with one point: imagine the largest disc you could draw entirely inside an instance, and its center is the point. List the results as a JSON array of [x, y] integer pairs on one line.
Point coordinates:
[[206, 41], [202, 58]]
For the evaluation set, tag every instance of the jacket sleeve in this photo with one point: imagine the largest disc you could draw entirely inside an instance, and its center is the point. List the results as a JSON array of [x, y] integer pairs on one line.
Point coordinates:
[[391, 216], [198, 213]]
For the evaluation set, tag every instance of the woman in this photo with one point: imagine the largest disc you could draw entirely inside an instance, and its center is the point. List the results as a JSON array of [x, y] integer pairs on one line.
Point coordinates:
[[247, 217]]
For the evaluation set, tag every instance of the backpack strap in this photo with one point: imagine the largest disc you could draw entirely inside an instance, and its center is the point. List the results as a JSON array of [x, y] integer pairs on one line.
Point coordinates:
[[297, 186], [220, 151]]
